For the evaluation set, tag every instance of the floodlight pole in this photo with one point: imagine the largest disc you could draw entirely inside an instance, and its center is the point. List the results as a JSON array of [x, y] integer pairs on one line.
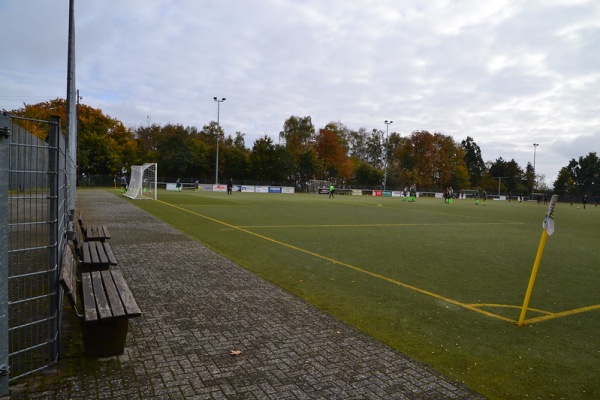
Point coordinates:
[[535, 146], [71, 123], [499, 180], [387, 131], [219, 101]]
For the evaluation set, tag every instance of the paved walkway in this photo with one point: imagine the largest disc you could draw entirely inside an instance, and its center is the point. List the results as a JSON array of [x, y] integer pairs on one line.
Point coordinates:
[[197, 307]]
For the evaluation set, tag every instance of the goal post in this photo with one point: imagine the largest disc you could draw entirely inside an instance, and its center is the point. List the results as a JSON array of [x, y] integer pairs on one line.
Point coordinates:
[[142, 183]]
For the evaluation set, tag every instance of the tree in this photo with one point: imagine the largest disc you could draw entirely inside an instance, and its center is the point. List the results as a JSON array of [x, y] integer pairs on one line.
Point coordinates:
[[564, 183], [580, 176], [509, 174], [261, 158], [450, 166], [332, 153], [529, 177], [175, 149], [374, 148], [357, 144], [147, 136], [433, 160], [588, 174], [307, 167], [284, 166], [365, 175], [41, 112], [236, 158], [104, 145], [297, 133], [473, 160]]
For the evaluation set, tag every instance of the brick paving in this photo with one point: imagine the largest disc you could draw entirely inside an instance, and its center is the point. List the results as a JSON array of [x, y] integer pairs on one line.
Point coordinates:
[[197, 306]]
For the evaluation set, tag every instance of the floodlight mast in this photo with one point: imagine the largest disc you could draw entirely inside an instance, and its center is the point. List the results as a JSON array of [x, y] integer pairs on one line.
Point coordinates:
[[535, 146], [219, 101], [387, 131]]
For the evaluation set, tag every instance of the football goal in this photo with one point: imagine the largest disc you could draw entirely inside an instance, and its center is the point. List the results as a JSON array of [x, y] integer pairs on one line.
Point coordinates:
[[314, 185], [142, 183]]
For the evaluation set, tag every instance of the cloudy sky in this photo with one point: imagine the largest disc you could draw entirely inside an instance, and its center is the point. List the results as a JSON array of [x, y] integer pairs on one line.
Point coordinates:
[[506, 73]]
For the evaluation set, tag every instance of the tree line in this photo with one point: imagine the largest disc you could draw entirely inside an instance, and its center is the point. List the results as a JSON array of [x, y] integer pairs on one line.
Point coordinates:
[[350, 158]]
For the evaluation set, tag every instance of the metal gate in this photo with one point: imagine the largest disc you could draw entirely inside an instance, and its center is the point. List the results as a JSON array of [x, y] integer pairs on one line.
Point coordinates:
[[36, 193]]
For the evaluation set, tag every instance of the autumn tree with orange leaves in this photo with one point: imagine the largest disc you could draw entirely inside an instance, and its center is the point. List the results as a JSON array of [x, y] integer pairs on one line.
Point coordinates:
[[104, 145]]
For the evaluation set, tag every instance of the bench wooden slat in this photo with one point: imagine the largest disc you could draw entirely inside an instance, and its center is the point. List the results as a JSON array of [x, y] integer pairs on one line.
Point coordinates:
[[131, 307], [102, 304], [89, 304], [94, 252], [97, 232], [109, 253], [112, 294], [101, 253], [85, 254], [105, 232], [94, 232]]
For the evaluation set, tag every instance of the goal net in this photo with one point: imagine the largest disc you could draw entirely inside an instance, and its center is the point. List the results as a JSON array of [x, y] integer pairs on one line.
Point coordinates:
[[142, 184], [314, 185]]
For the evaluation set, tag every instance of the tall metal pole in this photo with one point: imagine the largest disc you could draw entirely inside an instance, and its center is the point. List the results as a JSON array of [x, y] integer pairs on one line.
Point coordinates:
[[71, 110], [535, 145], [218, 134], [385, 161], [4, 350], [499, 182]]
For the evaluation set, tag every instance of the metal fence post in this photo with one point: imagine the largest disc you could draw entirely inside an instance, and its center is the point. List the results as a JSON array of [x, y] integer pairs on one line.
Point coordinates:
[[4, 145], [55, 238]]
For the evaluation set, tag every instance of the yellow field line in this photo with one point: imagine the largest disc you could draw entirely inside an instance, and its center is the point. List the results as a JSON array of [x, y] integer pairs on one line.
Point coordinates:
[[492, 305], [563, 314], [472, 307], [376, 225]]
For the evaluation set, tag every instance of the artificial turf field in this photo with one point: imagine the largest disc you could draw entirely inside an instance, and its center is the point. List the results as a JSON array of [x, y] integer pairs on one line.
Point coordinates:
[[443, 283]]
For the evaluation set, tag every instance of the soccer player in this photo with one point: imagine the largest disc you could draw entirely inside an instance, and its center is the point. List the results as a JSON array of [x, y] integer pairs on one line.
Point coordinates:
[[331, 190]]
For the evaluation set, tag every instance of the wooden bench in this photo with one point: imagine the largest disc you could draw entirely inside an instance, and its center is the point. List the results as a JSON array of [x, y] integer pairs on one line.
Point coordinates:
[[93, 232], [107, 305], [96, 256]]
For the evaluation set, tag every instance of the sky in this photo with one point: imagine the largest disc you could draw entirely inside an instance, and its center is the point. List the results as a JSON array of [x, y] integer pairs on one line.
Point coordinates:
[[506, 73]]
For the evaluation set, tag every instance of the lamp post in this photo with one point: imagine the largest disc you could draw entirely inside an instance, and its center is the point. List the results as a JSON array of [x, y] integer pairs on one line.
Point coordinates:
[[219, 101], [535, 145], [387, 131], [499, 181]]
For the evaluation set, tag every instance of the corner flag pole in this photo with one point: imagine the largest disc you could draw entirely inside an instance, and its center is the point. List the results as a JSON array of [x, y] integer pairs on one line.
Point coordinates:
[[548, 229]]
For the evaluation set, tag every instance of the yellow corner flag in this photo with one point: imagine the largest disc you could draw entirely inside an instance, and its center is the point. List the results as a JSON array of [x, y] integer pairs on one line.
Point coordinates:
[[548, 230]]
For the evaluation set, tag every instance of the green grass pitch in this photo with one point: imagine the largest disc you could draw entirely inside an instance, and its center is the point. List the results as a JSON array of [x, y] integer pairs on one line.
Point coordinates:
[[443, 283]]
